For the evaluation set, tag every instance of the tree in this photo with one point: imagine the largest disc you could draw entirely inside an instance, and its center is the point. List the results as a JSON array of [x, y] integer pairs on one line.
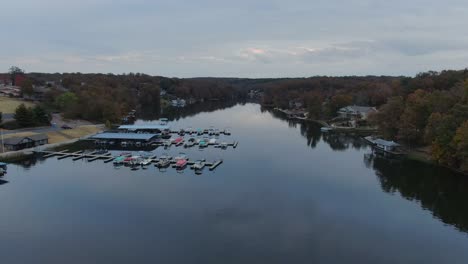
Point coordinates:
[[14, 71], [27, 88], [337, 102], [41, 117], [24, 116], [414, 117], [388, 117], [460, 141], [314, 103], [66, 100]]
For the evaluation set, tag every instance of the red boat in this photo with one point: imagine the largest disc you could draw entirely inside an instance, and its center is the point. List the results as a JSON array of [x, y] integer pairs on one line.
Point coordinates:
[[178, 140], [181, 163]]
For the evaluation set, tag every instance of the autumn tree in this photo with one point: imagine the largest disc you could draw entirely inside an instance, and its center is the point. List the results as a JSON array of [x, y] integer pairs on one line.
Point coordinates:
[[460, 142]]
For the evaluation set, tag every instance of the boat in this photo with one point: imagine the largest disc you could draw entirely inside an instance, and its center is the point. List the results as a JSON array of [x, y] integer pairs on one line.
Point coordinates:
[[119, 160], [167, 143], [163, 121], [178, 140], [145, 162], [200, 132], [123, 144], [199, 165], [181, 163], [227, 132], [3, 168], [326, 129], [212, 141], [203, 143], [164, 162], [216, 132], [211, 131], [223, 145]]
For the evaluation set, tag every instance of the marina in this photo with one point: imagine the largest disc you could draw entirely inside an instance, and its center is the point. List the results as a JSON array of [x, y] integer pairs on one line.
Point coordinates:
[[128, 159]]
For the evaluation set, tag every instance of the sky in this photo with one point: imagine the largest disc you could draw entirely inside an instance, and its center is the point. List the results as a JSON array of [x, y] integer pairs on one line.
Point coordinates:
[[241, 38]]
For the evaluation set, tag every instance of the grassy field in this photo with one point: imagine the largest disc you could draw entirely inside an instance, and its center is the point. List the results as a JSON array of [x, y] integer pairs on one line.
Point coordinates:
[[78, 132], [63, 135], [8, 105]]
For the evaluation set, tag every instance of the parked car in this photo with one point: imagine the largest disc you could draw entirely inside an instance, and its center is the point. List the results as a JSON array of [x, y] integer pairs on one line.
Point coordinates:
[[66, 127]]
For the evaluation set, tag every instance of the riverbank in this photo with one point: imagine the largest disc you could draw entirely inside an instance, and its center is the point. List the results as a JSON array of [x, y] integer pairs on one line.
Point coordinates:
[[56, 139]]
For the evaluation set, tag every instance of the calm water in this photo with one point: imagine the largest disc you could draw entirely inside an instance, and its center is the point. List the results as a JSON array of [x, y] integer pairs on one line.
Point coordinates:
[[287, 194]]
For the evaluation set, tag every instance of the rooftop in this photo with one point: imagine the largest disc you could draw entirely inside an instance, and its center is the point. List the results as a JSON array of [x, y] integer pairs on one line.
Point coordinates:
[[144, 127], [387, 143], [17, 140], [356, 108], [124, 136]]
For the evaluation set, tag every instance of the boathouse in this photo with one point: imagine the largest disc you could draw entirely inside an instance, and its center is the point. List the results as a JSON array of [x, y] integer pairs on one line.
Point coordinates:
[[17, 143], [145, 128], [386, 145], [141, 137]]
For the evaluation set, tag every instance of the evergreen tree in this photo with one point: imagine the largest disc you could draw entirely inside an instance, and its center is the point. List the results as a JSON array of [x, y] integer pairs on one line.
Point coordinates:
[[24, 116]]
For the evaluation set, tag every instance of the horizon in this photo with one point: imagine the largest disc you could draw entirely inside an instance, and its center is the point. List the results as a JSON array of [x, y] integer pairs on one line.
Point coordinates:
[[260, 39]]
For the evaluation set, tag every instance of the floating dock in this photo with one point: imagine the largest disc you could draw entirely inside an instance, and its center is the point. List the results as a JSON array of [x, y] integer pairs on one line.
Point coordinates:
[[107, 157]]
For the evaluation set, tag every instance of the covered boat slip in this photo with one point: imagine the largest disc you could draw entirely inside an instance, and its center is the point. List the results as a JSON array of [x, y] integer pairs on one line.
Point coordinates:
[[139, 139], [107, 157]]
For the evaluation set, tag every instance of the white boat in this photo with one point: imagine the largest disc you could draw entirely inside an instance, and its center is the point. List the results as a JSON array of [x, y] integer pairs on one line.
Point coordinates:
[[212, 141], [145, 162]]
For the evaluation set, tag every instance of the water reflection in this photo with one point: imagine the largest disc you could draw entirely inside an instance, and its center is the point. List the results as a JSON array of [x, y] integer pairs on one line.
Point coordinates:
[[175, 113], [437, 189], [311, 131]]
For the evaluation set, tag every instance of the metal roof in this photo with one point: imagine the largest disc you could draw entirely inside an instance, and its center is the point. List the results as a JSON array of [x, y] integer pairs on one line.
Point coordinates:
[[144, 127], [386, 143], [17, 140], [124, 136]]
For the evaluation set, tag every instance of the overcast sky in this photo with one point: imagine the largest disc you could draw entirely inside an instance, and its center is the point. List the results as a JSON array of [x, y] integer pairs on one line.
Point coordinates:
[[241, 38]]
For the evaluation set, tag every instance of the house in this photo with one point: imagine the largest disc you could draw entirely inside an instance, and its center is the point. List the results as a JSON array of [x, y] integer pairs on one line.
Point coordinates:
[[178, 103], [38, 93], [17, 143], [356, 112], [295, 104]]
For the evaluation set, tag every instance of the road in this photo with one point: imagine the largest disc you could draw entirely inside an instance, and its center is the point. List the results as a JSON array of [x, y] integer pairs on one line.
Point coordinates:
[[32, 129]]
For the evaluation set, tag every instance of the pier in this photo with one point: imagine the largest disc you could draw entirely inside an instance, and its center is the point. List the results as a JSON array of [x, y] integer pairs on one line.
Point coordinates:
[[107, 158]]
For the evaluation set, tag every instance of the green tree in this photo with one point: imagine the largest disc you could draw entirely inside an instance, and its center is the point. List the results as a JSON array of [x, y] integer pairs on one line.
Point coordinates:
[[66, 100], [24, 116], [41, 117]]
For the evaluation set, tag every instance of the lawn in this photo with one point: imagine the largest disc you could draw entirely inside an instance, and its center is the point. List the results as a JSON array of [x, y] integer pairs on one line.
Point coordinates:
[[8, 105], [78, 132]]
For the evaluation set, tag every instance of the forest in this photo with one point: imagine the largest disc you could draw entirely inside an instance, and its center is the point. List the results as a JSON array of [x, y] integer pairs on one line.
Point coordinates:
[[430, 109]]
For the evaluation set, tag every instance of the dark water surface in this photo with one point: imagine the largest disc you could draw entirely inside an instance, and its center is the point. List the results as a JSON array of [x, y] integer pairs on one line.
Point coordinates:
[[287, 194]]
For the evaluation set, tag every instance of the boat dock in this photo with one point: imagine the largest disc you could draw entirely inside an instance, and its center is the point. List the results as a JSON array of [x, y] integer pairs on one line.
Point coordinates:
[[107, 157]]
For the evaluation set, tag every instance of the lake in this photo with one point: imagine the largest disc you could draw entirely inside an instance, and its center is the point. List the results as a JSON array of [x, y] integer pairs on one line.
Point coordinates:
[[286, 194]]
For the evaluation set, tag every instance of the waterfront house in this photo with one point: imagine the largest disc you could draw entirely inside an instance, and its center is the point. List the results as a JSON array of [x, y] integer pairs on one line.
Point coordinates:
[[356, 112], [17, 143]]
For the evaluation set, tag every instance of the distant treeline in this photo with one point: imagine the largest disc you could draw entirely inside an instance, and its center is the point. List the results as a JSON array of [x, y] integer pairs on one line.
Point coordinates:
[[428, 109]]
